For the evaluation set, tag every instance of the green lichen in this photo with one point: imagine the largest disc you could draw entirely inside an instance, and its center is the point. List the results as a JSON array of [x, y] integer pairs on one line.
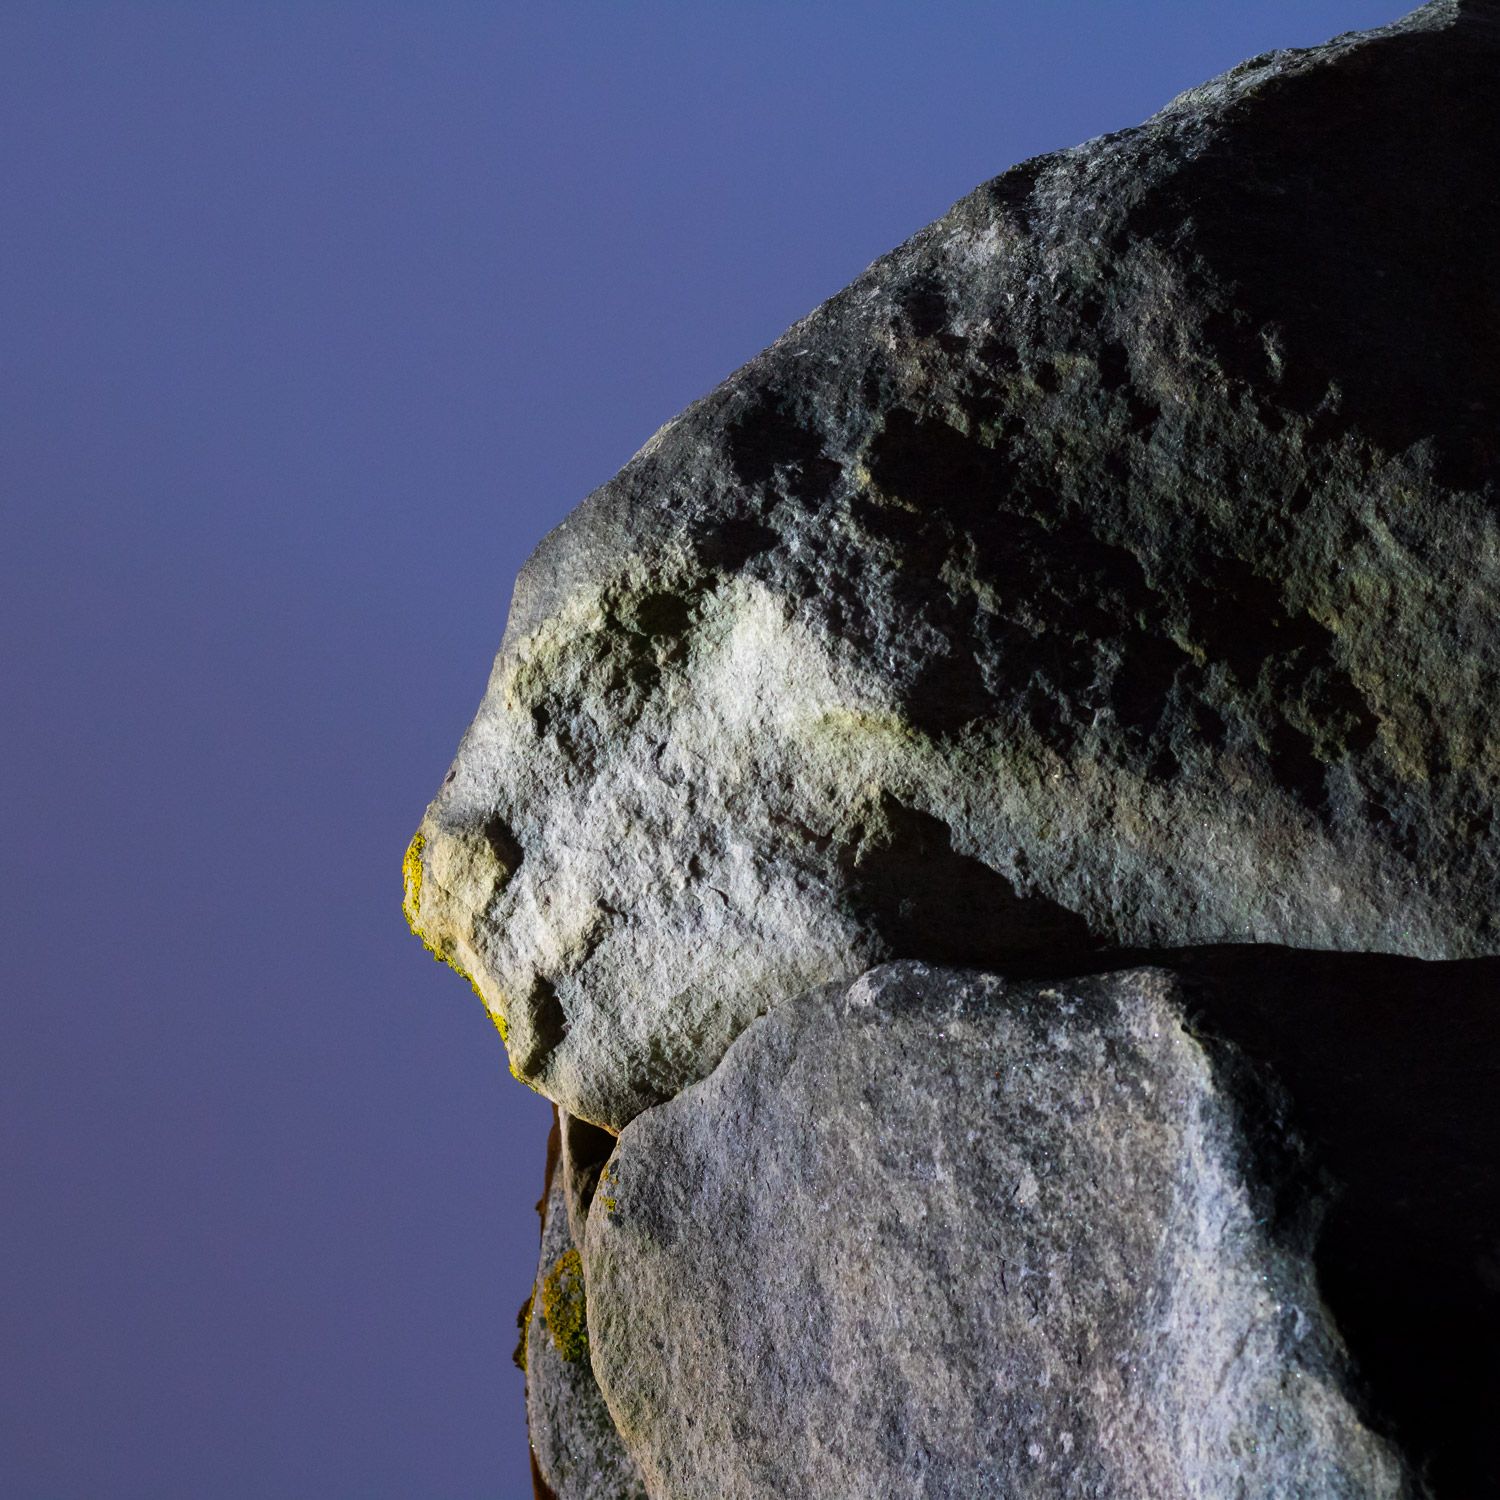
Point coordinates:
[[563, 1306]]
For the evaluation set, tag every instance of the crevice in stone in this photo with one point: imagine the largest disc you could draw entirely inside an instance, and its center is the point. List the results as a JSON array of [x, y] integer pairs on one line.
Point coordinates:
[[768, 440], [585, 1149], [506, 847], [546, 1024]]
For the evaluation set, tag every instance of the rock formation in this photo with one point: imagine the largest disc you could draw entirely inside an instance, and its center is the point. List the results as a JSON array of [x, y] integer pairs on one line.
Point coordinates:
[[1106, 580], [926, 1233]]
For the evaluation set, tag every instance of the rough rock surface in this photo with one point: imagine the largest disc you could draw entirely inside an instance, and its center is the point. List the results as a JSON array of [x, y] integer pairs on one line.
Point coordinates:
[[930, 1233], [575, 1448], [1115, 563]]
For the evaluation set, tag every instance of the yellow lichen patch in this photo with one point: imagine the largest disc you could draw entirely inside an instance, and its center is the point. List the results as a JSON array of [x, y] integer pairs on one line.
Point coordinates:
[[563, 1306], [411, 873], [411, 900], [608, 1178], [503, 1027], [411, 906]]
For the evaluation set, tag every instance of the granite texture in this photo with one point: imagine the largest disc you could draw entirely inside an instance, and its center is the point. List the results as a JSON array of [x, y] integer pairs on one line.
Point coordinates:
[[1086, 628]]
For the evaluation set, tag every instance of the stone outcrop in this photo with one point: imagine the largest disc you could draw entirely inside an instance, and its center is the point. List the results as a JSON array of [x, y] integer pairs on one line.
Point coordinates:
[[1106, 583], [929, 1233]]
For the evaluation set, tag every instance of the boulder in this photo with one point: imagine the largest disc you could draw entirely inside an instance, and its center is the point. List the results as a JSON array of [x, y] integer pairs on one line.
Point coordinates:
[[1114, 565], [576, 1451], [935, 1233]]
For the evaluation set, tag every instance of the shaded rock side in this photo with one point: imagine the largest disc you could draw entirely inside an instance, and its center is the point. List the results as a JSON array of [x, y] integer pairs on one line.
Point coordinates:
[[1116, 563], [929, 1233], [576, 1451]]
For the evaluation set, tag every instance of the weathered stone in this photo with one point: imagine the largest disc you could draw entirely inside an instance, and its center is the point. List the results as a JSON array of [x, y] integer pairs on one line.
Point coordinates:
[[576, 1451], [1115, 563], [931, 1233]]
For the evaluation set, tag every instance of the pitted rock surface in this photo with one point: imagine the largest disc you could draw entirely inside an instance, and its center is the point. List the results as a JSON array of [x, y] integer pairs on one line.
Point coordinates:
[[930, 1233], [1116, 563], [574, 1444]]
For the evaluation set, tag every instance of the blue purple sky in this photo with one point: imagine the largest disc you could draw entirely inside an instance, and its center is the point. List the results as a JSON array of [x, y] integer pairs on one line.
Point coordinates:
[[313, 318]]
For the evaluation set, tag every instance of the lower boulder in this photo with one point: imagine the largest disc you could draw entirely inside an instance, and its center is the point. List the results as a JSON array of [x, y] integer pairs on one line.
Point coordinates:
[[931, 1233]]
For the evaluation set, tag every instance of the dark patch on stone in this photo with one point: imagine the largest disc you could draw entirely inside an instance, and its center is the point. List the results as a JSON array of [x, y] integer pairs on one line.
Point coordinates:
[[1014, 193], [923, 309], [507, 849], [1320, 211], [767, 441], [730, 545], [661, 614], [585, 1149], [546, 1025], [923, 897]]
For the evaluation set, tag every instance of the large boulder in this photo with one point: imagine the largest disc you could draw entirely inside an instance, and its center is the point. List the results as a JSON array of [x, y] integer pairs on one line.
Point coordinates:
[[932, 1233], [1116, 563]]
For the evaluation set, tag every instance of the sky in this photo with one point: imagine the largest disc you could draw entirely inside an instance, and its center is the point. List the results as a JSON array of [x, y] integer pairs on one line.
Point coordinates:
[[314, 318]]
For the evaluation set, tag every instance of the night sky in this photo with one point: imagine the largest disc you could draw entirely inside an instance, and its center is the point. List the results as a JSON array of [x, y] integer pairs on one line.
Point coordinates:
[[313, 319]]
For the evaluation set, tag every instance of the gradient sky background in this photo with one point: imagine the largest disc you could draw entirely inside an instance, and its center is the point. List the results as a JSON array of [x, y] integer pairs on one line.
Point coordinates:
[[313, 318]]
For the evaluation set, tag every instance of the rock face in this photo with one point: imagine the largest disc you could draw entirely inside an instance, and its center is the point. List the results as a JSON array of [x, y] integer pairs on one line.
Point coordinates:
[[1114, 563], [930, 1233], [1107, 583], [576, 1450]]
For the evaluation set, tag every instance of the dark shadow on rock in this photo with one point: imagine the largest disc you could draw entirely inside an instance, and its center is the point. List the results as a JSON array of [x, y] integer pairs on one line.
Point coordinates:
[[732, 543], [507, 850], [1075, 635], [545, 1022], [1325, 203], [928, 901], [769, 441], [585, 1149], [1393, 1070]]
